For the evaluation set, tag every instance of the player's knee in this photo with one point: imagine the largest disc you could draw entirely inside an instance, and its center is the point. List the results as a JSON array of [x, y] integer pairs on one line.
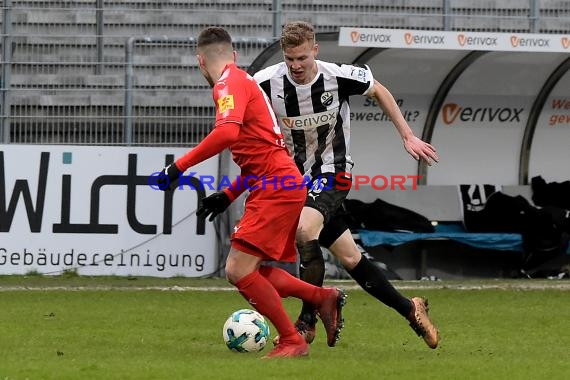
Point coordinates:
[[231, 275], [349, 258], [350, 262], [233, 271], [306, 233], [310, 225]]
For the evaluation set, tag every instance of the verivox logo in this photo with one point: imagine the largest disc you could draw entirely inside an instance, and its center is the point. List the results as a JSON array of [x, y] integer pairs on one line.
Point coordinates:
[[480, 41], [453, 111], [529, 42], [356, 36], [565, 42], [428, 39], [311, 121]]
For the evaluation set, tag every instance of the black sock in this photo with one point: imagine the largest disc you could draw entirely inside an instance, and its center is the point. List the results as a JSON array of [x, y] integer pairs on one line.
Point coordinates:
[[371, 279], [312, 270]]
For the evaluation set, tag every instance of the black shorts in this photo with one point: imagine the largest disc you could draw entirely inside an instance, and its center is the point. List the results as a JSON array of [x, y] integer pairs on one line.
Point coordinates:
[[332, 230], [326, 193]]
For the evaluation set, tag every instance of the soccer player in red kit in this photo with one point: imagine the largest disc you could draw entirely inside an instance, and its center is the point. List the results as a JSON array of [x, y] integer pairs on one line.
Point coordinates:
[[247, 126]]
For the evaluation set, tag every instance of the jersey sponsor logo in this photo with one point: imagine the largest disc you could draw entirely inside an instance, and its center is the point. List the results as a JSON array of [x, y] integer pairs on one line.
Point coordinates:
[[326, 98], [311, 121], [225, 103]]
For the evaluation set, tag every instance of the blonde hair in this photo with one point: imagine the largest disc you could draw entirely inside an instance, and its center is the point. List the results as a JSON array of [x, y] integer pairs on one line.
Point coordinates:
[[296, 33]]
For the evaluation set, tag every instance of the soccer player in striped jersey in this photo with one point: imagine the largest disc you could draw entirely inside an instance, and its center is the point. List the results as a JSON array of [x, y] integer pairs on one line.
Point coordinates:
[[310, 99]]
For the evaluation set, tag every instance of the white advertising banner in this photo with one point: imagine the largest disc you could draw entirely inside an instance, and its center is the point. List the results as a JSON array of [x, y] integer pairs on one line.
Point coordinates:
[[423, 39], [550, 149], [93, 210], [478, 139]]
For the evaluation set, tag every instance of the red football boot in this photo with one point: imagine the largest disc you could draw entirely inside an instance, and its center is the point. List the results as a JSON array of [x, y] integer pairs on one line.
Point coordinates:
[[330, 311], [289, 348]]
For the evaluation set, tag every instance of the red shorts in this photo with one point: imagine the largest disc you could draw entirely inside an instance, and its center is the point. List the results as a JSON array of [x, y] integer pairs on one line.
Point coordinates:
[[269, 223]]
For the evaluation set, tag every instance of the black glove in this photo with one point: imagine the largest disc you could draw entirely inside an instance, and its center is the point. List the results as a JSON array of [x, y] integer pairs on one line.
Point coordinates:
[[167, 178], [213, 205]]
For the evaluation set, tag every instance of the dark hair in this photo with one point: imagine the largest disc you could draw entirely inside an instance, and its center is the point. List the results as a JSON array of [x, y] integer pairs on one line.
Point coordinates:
[[214, 35], [296, 33]]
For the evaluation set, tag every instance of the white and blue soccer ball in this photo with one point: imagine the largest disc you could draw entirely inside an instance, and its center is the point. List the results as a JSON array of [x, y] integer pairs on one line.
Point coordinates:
[[246, 331]]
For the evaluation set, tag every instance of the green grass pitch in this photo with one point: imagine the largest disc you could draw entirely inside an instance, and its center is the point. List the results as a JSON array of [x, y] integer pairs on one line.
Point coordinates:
[[116, 328]]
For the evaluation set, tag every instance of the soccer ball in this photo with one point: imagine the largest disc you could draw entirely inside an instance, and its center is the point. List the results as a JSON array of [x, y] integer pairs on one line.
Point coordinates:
[[246, 331]]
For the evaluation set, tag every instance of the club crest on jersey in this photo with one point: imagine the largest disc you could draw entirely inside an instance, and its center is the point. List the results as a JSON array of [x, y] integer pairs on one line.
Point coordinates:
[[326, 98], [225, 103]]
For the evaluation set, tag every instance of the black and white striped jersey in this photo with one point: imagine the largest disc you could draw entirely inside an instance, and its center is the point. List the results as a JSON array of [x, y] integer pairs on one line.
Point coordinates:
[[315, 117]]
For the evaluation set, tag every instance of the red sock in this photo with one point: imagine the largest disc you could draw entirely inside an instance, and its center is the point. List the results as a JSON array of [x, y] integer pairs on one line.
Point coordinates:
[[288, 285], [262, 295]]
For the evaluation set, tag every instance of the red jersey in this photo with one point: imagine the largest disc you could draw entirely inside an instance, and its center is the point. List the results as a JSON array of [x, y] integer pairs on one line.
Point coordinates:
[[245, 123], [259, 149]]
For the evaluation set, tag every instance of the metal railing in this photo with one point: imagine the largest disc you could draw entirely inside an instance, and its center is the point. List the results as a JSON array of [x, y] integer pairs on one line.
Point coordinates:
[[72, 72]]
